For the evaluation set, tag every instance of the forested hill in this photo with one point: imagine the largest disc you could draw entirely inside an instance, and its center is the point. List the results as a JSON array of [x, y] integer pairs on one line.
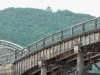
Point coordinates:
[[26, 25]]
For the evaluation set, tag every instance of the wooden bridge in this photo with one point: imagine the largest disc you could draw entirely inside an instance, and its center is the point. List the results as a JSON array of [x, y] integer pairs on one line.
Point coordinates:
[[71, 50]]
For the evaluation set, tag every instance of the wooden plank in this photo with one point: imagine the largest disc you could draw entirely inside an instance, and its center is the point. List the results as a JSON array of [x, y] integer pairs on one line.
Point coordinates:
[[45, 54], [28, 63], [54, 53], [62, 47], [33, 60], [57, 49], [69, 45], [66, 46], [91, 38], [19, 68], [14, 69], [87, 39], [48, 53], [96, 37], [42, 54], [37, 58], [23, 66], [51, 51]]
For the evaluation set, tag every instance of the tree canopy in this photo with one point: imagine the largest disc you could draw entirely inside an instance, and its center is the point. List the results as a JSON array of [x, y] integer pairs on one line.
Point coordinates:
[[26, 25]]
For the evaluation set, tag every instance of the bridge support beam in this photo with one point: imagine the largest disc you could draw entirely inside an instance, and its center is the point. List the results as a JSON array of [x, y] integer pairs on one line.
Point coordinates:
[[80, 62], [44, 69], [65, 70]]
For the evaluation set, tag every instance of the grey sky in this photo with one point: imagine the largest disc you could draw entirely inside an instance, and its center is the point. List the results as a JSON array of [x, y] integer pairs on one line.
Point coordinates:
[[79, 6]]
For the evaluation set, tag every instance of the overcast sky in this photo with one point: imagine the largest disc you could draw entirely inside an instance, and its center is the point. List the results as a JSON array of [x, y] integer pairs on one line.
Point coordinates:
[[91, 7]]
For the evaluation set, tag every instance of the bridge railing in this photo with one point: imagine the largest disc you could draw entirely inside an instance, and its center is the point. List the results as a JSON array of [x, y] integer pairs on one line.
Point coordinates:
[[10, 45], [62, 34]]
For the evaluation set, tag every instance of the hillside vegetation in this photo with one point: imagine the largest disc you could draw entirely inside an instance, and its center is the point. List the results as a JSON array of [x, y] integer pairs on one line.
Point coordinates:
[[26, 25]]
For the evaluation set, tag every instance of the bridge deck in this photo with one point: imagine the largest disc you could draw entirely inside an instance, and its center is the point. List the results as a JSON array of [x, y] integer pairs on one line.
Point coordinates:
[[60, 53], [58, 50]]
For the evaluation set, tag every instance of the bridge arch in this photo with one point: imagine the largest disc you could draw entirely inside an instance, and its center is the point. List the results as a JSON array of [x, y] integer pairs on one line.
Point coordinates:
[[7, 52], [10, 45]]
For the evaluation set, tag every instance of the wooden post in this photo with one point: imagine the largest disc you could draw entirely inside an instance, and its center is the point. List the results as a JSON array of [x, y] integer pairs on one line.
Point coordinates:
[[95, 23], [16, 54], [71, 30], [86, 70], [43, 42], [43, 69], [80, 62], [53, 73], [65, 70], [29, 49], [52, 38], [76, 73], [61, 35], [83, 27]]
